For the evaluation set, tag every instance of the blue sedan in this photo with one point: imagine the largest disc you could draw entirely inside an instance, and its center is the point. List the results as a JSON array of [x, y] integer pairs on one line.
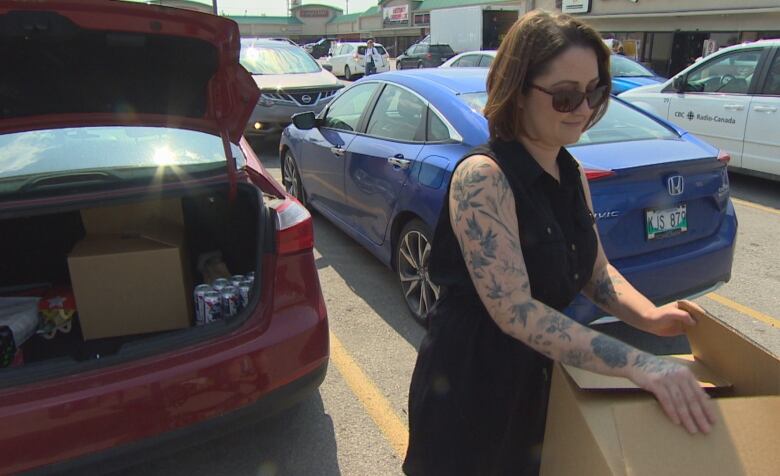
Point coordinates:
[[378, 160]]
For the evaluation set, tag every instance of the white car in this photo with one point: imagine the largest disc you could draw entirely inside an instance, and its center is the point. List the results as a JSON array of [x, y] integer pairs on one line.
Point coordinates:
[[471, 59], [347, 59], [731, 99]]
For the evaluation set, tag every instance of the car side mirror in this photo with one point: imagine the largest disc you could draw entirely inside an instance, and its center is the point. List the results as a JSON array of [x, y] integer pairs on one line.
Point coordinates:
[[678, 83], [305, 120], [328, 67]]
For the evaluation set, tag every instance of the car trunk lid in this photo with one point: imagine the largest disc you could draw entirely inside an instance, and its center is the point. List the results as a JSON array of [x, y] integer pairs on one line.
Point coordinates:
[[676, 193], [90, 62]]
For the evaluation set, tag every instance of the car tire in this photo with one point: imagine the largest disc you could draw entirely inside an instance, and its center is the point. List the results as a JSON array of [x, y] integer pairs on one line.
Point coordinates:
[[347, 73], [399, 65], [291, 178], [420, 65], [412, 255]]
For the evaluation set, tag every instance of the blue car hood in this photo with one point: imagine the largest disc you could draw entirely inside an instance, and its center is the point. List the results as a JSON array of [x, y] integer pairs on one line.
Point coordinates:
[[622, 84]]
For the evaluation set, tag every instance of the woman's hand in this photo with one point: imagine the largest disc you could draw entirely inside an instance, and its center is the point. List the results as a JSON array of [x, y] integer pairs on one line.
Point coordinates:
[[669, 320], [677, 390]]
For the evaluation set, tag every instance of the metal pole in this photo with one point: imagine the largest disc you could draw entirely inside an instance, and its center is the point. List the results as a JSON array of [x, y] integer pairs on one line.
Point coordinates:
[[214, 4]]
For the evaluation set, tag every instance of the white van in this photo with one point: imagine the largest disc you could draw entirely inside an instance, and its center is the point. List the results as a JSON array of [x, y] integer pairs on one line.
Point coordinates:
[[347, 59], [731, 99]]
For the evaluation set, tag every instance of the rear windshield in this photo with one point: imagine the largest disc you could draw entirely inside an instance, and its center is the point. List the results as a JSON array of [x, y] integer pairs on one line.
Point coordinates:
[[114, 153], [277, 59], [441, 49], [620, 123], [379, 48]]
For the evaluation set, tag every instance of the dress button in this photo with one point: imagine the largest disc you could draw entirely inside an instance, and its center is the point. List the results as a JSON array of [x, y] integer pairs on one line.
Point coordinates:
[[573, 247], [576, 276], [549, 230]]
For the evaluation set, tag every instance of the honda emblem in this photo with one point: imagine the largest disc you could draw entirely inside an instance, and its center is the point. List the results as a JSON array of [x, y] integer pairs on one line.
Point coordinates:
[[675, 185]]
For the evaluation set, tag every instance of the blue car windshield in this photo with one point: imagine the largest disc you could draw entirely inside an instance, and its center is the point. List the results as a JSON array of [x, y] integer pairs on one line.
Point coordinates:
[[121, 152], [277, 59], [620, 67], [620, 123]]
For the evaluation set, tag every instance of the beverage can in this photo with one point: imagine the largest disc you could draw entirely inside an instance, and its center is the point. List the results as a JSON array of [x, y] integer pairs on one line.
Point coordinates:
[[198, 295], [212, 307], [243, 289], [231, 301], [235, 280], [219, 284]]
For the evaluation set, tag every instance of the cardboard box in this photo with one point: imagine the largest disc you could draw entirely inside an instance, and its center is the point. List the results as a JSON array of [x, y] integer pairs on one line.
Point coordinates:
[[599, 425], [129, 274]]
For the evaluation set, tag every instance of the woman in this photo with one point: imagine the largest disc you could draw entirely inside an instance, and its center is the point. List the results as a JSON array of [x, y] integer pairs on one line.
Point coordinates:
[[514, 246], [371, 58]]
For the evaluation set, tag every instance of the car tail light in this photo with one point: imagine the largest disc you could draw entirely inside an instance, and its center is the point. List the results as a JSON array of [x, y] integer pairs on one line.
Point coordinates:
[[428, 56], [598, 174], [294, 229], [724, 157]]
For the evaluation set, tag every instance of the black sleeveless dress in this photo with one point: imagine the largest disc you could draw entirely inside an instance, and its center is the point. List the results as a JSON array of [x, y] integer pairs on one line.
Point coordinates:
[[478, 397]]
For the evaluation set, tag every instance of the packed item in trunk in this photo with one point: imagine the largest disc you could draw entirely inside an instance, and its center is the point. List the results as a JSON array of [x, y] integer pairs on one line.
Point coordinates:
[[18, 322]]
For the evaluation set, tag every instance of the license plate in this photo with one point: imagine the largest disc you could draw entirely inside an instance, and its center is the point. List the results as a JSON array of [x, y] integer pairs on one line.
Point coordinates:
[[667, 222]]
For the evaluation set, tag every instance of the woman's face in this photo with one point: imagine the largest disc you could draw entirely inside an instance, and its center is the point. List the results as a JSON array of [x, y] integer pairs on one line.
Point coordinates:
[[574, 69]]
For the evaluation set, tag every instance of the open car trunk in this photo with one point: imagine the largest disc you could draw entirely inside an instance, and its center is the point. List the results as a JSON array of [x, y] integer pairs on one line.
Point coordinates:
[[116, 279]]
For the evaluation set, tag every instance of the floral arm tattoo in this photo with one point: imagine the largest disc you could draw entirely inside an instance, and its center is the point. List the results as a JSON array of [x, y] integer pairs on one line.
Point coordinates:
[[483, 216]]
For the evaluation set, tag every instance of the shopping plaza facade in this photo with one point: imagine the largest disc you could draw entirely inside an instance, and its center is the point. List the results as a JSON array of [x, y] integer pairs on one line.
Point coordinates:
[[665, 34]]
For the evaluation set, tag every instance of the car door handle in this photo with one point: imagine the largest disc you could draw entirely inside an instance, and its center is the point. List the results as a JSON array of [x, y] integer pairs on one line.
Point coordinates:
[[399, 161], [733, 107], [337, 151], [765, 109]]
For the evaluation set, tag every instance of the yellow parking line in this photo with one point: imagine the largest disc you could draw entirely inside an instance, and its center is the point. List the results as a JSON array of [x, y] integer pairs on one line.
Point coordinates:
[[744, 309], [379, 409], [755, 205]]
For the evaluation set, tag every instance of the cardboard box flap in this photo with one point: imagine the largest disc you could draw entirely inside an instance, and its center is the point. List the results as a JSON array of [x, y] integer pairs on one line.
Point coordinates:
[[752, 369], [133, 217], [112, 244], [587, 380], [742, 442]]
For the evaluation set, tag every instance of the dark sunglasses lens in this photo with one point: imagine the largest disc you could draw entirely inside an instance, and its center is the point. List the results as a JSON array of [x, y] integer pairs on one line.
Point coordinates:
[[567, 101], [596, 97]]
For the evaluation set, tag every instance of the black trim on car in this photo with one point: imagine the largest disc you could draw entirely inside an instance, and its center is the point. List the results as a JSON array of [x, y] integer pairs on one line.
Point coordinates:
[[128, 455]]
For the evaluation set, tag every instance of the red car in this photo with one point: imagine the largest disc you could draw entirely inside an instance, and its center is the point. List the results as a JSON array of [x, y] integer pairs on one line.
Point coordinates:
[[124, 180]]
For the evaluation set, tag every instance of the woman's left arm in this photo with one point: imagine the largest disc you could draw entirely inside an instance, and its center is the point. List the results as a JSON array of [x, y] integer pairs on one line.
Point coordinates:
[[614, 294]]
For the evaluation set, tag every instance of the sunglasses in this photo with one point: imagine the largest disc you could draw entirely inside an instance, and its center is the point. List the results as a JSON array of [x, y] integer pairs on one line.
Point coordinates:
[[570, 100]]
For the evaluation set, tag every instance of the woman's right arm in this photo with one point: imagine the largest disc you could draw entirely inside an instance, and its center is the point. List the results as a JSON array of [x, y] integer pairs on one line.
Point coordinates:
[[483, 216]]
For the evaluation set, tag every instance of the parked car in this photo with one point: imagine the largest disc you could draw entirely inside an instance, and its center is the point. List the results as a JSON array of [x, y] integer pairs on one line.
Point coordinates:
[[285, 40], [424, 55], [290, 81], [376, 162], [471, 59], [146, 134], [731, 98], [321, 47], [347, 59], [626, 73]]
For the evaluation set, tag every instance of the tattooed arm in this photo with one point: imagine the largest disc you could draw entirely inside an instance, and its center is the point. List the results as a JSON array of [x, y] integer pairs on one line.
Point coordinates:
[[483, 216], [611, 292]]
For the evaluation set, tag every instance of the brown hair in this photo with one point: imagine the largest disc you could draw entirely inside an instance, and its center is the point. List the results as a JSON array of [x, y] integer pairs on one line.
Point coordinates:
[[533, 41]]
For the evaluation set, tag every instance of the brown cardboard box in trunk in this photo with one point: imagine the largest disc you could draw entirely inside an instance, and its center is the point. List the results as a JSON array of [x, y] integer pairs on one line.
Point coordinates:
[[129, 274], [604, 426]]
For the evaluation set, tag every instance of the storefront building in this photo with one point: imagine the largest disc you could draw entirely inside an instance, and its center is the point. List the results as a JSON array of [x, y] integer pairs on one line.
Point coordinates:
[[668, 35]]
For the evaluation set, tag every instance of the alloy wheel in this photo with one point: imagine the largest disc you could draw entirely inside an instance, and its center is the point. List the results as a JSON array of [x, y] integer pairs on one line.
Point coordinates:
[[414, 253], [291, 178]]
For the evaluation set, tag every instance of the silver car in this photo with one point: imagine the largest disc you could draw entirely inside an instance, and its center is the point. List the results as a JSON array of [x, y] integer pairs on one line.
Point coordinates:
[[290, 81]]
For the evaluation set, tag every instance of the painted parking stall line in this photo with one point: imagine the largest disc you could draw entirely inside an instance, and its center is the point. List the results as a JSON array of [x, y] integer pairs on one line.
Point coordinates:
[[377, 406], [758, 315]]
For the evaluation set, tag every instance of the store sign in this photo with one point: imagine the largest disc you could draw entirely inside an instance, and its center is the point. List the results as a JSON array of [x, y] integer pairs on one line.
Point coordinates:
[[315, 13], [575, 6], [399, 14]]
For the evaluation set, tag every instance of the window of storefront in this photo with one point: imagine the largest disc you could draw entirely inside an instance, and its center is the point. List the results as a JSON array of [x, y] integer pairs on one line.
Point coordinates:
[[422, 18]]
